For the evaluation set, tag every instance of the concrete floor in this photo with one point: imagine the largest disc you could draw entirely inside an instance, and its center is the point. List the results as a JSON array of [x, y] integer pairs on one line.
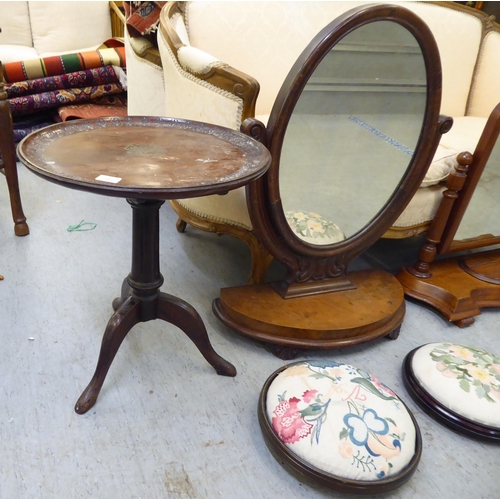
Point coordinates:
[[165, 425]]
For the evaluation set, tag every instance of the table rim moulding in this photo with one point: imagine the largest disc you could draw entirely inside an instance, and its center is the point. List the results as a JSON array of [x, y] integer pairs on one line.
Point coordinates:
[[34, 144]]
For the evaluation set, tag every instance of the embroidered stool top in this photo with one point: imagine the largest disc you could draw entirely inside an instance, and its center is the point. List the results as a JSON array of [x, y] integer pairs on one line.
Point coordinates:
[[340, 426], [457, 384], [313, 228]]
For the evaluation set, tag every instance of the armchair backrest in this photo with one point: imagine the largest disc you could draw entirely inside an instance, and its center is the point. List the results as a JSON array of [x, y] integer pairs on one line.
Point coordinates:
[[15, 24], [67, 26], [485, 91], [264, 38], [55, 27]]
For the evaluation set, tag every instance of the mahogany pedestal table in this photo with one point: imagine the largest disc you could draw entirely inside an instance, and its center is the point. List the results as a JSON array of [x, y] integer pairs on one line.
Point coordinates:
[[147, 160]]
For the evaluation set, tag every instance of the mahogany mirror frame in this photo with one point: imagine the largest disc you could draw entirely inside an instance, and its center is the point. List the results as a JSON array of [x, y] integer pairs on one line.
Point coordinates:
[[328, 263]]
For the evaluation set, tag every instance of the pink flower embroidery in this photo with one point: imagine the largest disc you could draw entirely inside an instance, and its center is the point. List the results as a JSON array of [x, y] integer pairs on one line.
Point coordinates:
[[461, 352], [288, 423], [495, 368], [381, 387], [345, 449], [309, 395], [443, 368]]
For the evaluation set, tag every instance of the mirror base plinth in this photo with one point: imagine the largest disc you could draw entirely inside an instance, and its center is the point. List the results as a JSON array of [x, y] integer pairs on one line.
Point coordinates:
[[287, 290], [375, 308], [453, 290]]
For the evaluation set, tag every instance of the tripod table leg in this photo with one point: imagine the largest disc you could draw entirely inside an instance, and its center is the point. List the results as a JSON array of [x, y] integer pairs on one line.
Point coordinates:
[[122, 321], [183, 315], [126, 291]]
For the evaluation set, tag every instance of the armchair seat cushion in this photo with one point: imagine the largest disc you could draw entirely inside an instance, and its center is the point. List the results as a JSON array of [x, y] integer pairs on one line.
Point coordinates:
[[341, 423], [443, 163], [465, 133], [422, 207], [458, 384], [214, 208]]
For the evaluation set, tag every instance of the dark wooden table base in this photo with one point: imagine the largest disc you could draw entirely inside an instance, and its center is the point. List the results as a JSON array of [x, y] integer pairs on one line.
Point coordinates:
[[141, 300]]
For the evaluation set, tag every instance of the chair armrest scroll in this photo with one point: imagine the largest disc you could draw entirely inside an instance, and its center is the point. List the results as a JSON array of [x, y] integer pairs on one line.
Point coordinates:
[[205, 67], [144, 49]]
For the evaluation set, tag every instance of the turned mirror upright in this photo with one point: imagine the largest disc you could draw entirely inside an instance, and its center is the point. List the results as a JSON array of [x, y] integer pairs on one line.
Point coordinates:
[[463, 280], [352, 133]]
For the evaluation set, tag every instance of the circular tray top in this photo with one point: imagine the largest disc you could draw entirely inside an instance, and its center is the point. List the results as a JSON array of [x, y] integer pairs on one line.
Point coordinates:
[[144, 157]]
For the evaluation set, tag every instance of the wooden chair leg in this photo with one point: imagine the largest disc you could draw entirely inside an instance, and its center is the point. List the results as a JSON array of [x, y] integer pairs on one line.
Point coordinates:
[[8, 150], [261, 258]]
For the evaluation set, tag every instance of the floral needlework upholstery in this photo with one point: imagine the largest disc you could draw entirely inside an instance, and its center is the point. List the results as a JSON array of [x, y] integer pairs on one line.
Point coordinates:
[[313, 228], [341, 420], [464, 379]]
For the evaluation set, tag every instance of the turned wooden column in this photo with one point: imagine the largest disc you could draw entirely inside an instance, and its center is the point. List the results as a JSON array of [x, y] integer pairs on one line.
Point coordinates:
[[427, 253]]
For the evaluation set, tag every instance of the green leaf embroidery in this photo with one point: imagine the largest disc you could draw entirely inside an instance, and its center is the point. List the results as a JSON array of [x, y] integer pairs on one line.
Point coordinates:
[[458, 361], [480, 391], [489, 398], [464, 385], [311, 411], [370, 387], [343, 434]]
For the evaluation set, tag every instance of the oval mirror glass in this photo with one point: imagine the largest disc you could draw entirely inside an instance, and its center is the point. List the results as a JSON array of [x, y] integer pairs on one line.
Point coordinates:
[[353, 133]]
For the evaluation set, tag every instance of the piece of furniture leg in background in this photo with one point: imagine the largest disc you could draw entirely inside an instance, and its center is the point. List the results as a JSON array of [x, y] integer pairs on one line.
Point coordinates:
[[8, 161]]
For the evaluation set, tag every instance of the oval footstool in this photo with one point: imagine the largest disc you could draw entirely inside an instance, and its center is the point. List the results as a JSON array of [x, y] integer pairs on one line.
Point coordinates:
[[457, 384], [339, 426]]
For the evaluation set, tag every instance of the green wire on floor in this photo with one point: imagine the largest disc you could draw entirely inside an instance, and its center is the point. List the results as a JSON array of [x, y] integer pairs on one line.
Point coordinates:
[[81, 227]]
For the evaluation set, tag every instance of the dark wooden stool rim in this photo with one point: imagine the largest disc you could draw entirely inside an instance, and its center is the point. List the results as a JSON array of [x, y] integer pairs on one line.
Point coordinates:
[[296, 464], [439, 411]]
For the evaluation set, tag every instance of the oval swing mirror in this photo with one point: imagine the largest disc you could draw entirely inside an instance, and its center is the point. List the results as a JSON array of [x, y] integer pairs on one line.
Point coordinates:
[[352, 133]]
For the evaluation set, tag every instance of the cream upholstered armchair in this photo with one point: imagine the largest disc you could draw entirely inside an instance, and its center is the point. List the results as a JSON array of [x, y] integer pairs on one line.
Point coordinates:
[[202, 43]]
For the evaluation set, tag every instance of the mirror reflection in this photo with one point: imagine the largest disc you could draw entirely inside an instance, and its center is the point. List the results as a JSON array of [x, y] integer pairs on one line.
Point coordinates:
[[353, 132], [481, 215]]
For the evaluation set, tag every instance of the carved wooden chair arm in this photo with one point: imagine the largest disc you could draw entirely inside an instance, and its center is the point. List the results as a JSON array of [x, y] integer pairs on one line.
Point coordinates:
[[205, 67], [144, 49]]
